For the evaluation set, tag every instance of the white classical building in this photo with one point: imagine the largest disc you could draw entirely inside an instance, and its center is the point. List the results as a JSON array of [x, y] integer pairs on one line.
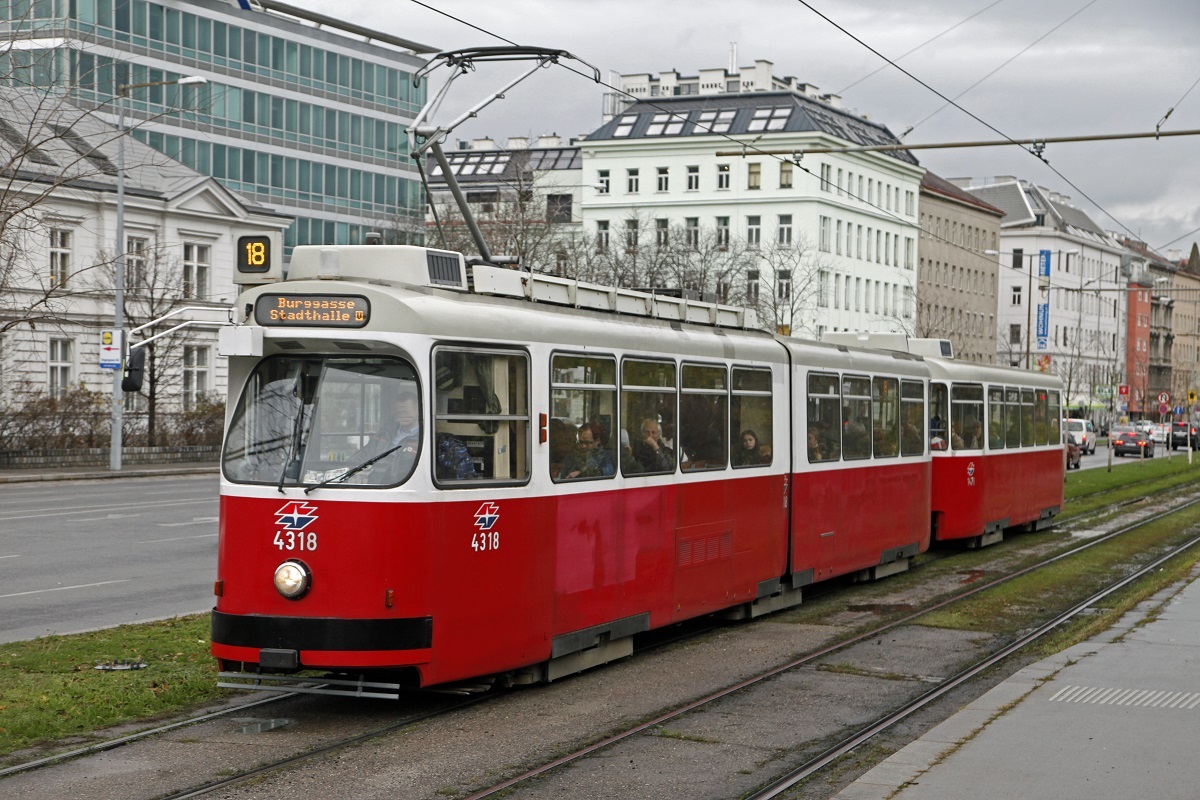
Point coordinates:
[[826, 242], [1053, 255], [58, 247]]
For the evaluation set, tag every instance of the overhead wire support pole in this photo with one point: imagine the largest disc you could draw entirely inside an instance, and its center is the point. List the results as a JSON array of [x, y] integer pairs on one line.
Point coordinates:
[[1040, 141]]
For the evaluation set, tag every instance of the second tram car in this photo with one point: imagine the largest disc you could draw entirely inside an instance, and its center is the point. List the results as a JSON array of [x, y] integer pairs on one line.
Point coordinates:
[[451, 473]]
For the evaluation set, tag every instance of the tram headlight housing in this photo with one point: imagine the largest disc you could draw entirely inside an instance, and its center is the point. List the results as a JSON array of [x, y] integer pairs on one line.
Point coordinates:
[[293, 579]]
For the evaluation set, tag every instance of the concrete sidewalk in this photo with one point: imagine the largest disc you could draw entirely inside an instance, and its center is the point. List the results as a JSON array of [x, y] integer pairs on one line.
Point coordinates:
[[1108, 719], [102, 473]]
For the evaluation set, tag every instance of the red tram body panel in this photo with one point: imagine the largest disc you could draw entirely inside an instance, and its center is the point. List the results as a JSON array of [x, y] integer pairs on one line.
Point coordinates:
[[445, 482]]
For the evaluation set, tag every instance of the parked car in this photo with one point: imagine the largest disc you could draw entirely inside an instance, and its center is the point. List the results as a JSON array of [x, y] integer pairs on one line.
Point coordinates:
[[1125, 439], [1074, 453], [1183, 434], [1084, 433], [1142, 425], [1158, 433]]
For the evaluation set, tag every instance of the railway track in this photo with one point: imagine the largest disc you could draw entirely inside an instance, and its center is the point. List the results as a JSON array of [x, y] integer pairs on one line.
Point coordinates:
[[516, 782]]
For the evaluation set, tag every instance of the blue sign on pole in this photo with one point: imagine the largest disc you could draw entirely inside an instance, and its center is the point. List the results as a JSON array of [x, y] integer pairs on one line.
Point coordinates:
[[1043, 320], [1044, 264]]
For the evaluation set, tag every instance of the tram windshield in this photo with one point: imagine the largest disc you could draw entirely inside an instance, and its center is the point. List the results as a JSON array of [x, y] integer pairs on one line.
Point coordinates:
[[309, 421]]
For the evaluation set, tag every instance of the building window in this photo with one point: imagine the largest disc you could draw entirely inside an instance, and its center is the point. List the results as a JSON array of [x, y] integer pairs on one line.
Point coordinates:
[[631, 181], [1014, 334], [824, 235], [693, 178], [602, 183], [826, 177], [837, 239], [558, 208], [1016, 296], [196, 266], [692, 230], [664, 179], [662, 232], [909, 247], [783, 285], [136, 262], [785, 174], [909, 203], [785, 230], [61, 363], [1018, 258], [823, 289], [723, 232], [754, 176], [722, 176], [666, 124], [753, 232], [752, 285], [631, 234], [60, 257], [195, 374], [602, 236]]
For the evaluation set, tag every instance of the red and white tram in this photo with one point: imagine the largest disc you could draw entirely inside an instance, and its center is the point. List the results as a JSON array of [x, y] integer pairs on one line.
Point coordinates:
[[512, 475]]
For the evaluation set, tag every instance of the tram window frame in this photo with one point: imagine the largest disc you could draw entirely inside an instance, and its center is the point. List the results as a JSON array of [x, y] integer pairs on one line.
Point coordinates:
[[856, 404], [751, 410], [912, 418], [589, 395], [996, 417], [824, 397], [514, 429], [1055, 402], [885, 433], [643, 393], [1041, 420], [966, 411], [1012, 411], [694, 443], [939, 416], [1027, 416]]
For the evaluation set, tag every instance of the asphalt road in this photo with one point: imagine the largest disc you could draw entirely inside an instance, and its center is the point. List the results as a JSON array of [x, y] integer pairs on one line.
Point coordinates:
[[80, 555]]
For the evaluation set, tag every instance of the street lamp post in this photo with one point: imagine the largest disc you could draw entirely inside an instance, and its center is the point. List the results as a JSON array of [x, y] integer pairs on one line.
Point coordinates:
[[114, 458]]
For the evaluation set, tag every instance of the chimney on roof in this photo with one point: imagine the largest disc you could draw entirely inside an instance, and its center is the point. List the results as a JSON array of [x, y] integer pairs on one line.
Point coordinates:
[[834, 100], [483, 144], [809, 90], [518, 143], [553, 140]]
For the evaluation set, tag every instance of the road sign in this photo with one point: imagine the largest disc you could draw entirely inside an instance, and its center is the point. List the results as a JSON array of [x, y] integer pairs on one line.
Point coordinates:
[[1163, 408], [110, 349], [1177, 411], [1123, 390], [1105, 392], [1191, 397], [1164, 397]]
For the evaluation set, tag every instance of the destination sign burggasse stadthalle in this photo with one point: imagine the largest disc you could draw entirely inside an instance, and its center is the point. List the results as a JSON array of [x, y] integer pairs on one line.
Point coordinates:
[[319, 310]]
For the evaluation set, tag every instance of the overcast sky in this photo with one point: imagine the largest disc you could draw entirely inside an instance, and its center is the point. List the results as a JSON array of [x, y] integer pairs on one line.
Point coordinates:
[[1074, 67]]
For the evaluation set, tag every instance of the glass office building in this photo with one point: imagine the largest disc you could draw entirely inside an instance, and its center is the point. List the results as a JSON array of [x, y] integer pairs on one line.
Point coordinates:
[[301, 114]]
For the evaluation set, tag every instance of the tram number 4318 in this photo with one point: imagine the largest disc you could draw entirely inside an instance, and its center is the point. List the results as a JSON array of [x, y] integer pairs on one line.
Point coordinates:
[[295, 540], [484, 541]]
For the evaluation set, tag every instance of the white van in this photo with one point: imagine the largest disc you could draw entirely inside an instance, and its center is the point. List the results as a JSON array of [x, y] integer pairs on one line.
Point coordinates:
[[1083, 432]]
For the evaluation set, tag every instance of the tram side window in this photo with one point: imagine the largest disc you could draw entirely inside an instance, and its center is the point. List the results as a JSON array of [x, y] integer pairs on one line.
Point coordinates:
[[856, 418], [703, 418], [1027, 416], [583, 405], [750, 418], [648, 400], [1041, 422], [966, 417], [939, 416], [912, 418], [995, 418], [481, 421], [824, 418], [1012, 411], [885, 417], [1055, 413]]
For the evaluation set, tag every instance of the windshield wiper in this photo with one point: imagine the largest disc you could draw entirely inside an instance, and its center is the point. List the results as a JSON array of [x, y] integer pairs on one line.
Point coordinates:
[[293, 446], [354, 470]]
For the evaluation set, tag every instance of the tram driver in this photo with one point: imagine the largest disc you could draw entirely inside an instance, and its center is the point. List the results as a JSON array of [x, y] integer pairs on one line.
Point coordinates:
[[397, 442]]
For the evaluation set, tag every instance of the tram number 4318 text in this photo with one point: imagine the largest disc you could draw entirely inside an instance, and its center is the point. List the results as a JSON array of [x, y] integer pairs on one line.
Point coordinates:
[[489, 540], [293, 540]]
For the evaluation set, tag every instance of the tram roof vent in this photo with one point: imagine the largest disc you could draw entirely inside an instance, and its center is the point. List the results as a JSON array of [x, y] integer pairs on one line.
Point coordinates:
[[567, 292], [941, 348], [415, 266]]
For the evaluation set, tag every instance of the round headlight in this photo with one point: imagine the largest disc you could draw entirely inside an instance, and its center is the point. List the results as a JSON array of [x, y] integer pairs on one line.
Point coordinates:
[[292, 579]]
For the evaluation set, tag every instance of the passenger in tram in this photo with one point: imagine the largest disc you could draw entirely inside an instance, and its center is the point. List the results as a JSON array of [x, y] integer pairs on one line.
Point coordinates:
[[974, 434], [957, 441], [750, 452], [814, 447], [562, 440], [589, 459], [629, 464], [453, 461], [651, 452], [937, 433], [910, 440]]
